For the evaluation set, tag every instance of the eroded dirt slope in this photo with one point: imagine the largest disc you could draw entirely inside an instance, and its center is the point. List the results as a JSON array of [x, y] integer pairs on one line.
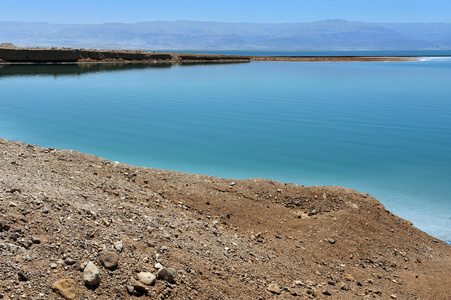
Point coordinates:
[[224, 239]]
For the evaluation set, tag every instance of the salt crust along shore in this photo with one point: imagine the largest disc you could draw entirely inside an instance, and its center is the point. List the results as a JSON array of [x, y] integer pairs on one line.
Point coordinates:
[[76, 226]]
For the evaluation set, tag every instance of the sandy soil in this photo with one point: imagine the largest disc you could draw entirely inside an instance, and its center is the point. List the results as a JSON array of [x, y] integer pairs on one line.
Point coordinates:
[[223, 239]]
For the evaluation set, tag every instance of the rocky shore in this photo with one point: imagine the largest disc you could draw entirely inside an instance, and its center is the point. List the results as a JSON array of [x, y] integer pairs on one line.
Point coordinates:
[[68, 55], [76, 226], [11, 54]]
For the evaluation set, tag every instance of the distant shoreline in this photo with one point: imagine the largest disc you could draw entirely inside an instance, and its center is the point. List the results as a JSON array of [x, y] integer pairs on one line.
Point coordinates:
[[67, 55], [334, 58]]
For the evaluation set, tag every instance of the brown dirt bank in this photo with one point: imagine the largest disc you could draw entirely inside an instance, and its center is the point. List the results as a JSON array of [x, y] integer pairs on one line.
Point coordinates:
[[67, 55], [226, 239]]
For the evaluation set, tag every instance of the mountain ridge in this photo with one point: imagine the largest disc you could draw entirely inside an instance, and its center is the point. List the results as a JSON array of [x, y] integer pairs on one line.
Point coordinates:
[[332, 34]]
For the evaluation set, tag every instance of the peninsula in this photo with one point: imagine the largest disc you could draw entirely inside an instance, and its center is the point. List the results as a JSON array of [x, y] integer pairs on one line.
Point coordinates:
[[11, 54]]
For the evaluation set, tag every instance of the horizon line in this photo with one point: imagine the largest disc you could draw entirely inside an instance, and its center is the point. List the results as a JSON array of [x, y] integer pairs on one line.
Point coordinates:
[[227, 22]]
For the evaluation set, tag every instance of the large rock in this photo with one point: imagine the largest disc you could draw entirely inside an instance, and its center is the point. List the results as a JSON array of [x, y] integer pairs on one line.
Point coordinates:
[[66, 288], [91, 274]]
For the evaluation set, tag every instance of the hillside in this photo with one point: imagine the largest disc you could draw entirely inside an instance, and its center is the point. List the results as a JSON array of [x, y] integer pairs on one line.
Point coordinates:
[[183, 35], [203, 237]]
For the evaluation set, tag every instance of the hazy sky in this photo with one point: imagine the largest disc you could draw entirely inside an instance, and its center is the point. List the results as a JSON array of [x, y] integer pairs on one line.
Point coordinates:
[[269, 11]]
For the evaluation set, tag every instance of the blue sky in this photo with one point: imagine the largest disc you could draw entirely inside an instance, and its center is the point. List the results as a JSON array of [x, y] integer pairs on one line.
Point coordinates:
[[261, 11]]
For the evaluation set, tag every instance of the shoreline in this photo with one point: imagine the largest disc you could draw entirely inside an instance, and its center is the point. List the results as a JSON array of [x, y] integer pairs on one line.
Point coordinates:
[[68, 55], [334, 58], [237, 238]]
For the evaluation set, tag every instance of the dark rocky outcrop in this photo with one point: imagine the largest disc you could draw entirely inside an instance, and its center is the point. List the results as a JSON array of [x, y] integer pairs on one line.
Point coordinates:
[[68, 55], [75, 55]]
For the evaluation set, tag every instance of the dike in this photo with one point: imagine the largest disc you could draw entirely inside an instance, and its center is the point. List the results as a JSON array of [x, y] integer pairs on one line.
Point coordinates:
[[67, 55]]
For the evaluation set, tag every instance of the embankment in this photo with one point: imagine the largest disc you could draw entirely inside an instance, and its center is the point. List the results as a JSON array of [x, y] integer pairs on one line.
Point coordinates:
[[67, 55], [64, 55]]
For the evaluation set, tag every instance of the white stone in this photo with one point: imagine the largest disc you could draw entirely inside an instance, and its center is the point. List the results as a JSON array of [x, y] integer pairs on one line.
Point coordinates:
[[158, 266], [118, 246], [147, 278]]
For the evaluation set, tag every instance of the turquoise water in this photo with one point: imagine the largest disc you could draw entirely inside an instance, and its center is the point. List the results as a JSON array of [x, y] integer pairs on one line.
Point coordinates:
[[382, 128]]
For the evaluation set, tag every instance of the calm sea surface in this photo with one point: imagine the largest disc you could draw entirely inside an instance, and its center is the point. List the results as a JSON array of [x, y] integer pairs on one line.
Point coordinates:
[[382, 128]]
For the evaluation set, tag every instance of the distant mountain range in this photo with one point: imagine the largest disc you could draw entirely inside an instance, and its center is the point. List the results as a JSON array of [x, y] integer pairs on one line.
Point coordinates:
[[322, 35]]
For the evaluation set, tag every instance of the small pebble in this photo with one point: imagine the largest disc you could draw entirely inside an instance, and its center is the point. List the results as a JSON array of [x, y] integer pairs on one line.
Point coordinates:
[[274, 288], [166, 274], [91, 274], [118, 246], [109, 259], [158, 266], [66, 288], [147, 278]]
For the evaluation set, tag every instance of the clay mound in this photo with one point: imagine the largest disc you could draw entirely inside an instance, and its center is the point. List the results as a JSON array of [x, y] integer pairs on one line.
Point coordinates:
[[66, 215]]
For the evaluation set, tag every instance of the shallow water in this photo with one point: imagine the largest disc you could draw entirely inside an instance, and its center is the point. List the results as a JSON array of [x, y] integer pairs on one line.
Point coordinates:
[[382, 128]]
